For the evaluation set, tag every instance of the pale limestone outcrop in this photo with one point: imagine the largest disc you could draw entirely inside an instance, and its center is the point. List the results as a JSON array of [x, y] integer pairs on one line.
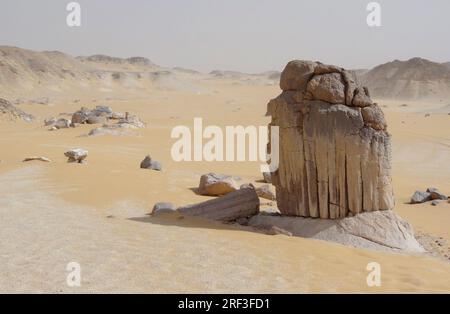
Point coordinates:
[[380, 230], [335, 152]]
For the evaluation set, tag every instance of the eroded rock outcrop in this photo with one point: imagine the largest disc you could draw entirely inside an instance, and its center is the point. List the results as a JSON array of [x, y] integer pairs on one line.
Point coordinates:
[[335, 152], [380, 230], [12, 113], [103, 114]]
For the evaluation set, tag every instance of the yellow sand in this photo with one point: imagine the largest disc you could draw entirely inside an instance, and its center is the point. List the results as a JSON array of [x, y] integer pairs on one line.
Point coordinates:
[[95, 214]]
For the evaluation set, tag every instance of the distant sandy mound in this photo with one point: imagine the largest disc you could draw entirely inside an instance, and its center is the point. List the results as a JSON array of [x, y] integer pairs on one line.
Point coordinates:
[[239, 78], [9, 112], [31, 74], [107, 59], [415, 79]]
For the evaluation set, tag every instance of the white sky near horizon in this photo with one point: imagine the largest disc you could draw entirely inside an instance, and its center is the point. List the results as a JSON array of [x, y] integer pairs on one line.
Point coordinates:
[[243, 35]]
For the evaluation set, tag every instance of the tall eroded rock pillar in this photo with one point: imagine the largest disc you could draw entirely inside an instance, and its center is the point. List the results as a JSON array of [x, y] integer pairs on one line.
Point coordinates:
[[335, 152]]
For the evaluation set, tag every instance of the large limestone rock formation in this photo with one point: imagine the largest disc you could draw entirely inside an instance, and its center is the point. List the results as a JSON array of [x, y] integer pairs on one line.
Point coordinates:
[[334, 150]]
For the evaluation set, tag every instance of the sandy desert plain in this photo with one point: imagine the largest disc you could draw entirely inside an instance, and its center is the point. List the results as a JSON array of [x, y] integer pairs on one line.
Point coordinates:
[[97, 214]]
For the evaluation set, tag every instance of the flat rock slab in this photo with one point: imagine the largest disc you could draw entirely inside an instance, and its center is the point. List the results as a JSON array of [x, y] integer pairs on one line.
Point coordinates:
[[379, 230], [242, 203], [37, 158]]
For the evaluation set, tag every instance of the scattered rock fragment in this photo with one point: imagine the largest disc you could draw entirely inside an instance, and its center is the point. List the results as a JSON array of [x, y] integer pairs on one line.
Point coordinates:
[[267, 177], [431, 194], [62, 123], [132, 121], [148, 163], [93, 119], [117, 116], [243, 203], [77, 155], [81, 116], [50, 121], [37, 158], [265, 191], [163, 208], [435, 203], [436, 195], [102, 111], [102, 114], [108, 129], [214, 184], [420, 197]]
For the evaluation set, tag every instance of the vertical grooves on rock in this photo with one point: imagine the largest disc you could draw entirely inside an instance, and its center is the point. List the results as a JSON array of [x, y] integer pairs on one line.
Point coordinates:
[[346, 187], [323, 105], [305, 180], [362, 184], [328, 203], [328, 182], [317, 181]]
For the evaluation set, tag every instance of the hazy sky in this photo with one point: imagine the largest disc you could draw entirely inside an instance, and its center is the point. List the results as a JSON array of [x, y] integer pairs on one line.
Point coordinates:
[[245, 35]]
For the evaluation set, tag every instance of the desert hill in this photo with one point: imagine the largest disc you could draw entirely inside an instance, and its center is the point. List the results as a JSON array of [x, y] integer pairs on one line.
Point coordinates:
[[29, 75], [53, 74], [414, 79]]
